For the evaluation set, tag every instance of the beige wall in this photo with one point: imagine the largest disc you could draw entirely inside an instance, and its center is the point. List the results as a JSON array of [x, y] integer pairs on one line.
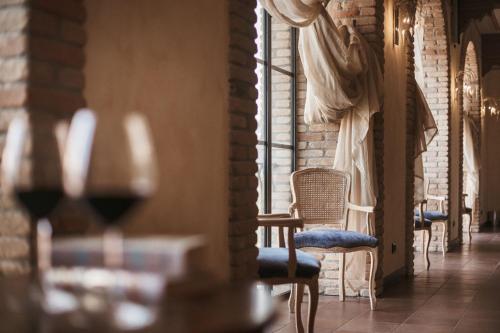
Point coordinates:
[[168, 60], [394, 146]]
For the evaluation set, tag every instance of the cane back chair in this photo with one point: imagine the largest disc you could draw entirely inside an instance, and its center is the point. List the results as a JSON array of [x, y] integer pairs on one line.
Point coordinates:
[[320, 199], [439, 217]]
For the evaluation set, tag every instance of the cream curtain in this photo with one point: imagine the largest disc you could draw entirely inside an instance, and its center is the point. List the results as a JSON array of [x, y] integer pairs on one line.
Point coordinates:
[[333, 60], [344, 81], [426, 128], [471, 163]]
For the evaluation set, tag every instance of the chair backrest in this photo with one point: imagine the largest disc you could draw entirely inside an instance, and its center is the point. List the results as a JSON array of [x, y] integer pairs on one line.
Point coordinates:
[[320, 196]]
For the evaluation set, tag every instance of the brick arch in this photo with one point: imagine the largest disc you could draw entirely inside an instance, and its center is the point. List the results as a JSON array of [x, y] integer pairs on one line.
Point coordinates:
[[469, 63], [430, 14]]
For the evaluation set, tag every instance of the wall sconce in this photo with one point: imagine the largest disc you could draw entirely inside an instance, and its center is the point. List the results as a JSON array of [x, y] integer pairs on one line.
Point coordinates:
[[491, 105], [404, 18]]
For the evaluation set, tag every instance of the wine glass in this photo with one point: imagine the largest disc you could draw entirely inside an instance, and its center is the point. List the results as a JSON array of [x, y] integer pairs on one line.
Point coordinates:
[[112, 203], [39, 198]]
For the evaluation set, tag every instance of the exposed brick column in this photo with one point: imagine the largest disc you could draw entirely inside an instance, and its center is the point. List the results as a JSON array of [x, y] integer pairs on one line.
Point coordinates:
[[14, 226], [436, 68], [41, 61], [411, 90], [243, 140], [56, 59], [316, 144]]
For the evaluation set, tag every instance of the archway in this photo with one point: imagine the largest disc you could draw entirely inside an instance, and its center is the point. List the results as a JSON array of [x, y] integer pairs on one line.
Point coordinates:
[[470, 132]]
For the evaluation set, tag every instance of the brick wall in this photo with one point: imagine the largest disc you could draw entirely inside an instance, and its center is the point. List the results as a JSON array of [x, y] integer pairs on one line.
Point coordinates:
[[243, 140], [56, 58], [41, 61], [14, 226], [410, 154], [436, 90], [316, 144]]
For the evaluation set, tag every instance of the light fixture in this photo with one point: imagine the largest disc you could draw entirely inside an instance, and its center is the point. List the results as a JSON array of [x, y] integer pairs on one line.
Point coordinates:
[[404, 18], [491, 106]]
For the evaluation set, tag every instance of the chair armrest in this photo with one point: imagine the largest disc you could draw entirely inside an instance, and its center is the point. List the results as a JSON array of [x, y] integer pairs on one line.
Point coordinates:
[[273, 215], [436, 197], [290, 222], [364, 209], [274, 220]]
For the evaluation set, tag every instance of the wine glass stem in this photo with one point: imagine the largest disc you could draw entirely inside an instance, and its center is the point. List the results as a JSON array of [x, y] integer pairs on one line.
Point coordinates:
[[113, 247], [41, 248], [34, 251]]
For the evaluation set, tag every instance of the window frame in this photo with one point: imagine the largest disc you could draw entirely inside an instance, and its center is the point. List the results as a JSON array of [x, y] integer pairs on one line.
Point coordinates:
[[268, 143]]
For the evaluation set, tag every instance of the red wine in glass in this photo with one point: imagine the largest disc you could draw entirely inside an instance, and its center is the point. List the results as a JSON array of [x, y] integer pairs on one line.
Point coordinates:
[[39, 202], [112, 206]]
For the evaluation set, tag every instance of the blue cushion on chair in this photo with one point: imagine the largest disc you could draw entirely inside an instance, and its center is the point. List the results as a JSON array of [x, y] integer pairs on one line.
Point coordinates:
[[327, 238], [418, 224], [273, 263], [433, 215]]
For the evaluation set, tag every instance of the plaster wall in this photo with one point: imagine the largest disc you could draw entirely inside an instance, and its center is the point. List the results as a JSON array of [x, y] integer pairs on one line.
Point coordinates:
[[394, 145], [491, 149], [168, 60]]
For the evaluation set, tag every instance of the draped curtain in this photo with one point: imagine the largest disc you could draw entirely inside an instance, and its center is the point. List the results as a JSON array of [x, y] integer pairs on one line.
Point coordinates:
[[344, 81], [426, 128]]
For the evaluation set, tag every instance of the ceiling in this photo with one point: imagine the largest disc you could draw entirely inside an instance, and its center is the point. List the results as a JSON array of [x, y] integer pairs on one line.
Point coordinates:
[[477, 9]]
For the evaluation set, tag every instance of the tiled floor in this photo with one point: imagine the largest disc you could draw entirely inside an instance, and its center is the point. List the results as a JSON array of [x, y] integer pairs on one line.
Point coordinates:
[[460, 293]]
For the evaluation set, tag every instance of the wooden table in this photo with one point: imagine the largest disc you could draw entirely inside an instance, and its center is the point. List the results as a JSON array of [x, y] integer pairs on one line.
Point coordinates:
[[225, 308]]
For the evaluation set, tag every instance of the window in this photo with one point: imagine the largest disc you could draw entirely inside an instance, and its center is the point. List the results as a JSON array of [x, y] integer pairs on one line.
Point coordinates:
[[276, 72]]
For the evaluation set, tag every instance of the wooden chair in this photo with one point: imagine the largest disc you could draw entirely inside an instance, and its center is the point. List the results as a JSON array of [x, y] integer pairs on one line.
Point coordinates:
[[320, 199], [426, 228], [467, 211], [290, 266], [439, 217]]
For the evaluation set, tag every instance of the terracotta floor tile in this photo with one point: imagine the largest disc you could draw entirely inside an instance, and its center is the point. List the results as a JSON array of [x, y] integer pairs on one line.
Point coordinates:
[[460, 293], [360, 325]]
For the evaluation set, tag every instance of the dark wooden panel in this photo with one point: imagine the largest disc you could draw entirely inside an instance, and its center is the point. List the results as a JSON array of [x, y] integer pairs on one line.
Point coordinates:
[[491, 51]]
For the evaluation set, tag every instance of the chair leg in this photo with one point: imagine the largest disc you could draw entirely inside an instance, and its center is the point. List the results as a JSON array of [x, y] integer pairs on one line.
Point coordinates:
[[342, 277], [299, 293], [427, 232], [445, 229], [371, 282], [470, 228], [292, 299], [313, 304]]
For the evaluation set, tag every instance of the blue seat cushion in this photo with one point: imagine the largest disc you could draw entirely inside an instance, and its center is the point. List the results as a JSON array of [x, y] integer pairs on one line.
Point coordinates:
[[418, 223], [273, 263], [328, 238], [432, 215]]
